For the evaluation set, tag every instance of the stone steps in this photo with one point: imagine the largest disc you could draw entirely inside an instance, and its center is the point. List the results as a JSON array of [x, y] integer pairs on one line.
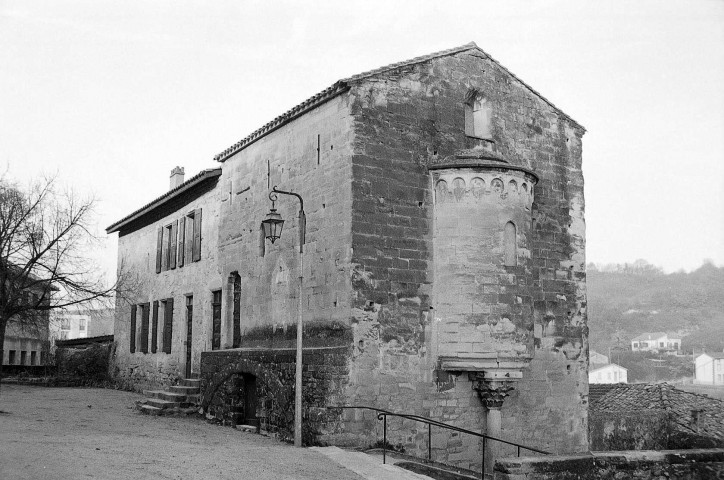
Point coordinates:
[[176, 399]]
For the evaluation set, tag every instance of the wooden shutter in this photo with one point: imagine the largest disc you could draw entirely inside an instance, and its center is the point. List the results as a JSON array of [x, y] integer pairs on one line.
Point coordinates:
[[154, 328], [159, 250], [181, 238], [133, 328], [144, 328], [172, 245], [197, 236], [168, 325]]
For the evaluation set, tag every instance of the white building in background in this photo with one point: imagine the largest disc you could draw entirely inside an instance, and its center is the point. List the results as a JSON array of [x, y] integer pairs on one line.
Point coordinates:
[[655, 342], [81, 324], [610, 373], [709, 369]]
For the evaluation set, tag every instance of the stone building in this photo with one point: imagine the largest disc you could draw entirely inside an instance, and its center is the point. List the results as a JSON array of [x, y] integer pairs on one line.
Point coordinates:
[[443, 269], [170, 244]]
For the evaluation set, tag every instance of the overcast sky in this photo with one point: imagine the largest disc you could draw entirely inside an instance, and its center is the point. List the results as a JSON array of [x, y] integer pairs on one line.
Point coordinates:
[[113, 95]]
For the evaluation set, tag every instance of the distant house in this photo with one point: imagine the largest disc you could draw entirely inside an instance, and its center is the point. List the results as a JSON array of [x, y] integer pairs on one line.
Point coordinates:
[[26, 343], [655, 342], [610, 373], [709, 369], [596, 358], [68, 325]]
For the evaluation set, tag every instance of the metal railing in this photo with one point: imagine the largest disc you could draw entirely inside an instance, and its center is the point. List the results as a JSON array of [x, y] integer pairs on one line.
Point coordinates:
[[383, 414]]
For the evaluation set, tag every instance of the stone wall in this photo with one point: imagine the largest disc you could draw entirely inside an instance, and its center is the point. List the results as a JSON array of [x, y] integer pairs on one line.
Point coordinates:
[[288, 158], [405, 121], [629, 431], [324, 376], [137, 253], [644, 465]]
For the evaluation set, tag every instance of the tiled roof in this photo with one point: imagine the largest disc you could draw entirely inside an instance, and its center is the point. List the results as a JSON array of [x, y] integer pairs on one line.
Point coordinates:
[[678, 404], [344, 84], [648, 336], [191, 182]]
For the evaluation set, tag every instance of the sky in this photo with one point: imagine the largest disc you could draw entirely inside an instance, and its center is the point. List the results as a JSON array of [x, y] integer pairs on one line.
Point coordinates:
[[112, 95]]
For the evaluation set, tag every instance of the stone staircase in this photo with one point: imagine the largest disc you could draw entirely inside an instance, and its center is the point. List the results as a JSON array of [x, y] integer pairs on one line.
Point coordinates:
[[177, 399]]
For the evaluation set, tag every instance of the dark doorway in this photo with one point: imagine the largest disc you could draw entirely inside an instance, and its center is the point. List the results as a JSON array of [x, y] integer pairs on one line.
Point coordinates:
[[189, 332], [244, 401], [250, 400]]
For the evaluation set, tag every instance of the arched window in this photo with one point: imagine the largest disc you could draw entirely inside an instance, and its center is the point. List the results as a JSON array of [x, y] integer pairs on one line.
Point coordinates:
[[511, 245], [478, 116]]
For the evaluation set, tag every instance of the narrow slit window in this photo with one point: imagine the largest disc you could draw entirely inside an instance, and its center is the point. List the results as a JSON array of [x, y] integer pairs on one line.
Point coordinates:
[[511, 246]]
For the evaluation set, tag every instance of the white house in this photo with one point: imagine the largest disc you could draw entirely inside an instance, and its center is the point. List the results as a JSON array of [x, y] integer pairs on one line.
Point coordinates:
[[654, 342], [610, 373], [67, 325], [709, 369]]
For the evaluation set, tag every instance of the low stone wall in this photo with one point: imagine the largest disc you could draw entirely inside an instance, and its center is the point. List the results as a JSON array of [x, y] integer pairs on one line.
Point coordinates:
[[643, 465], [324, 375]]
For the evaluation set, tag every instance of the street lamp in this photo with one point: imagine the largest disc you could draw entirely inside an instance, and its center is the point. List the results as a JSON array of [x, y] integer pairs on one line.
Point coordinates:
[[272, 225]]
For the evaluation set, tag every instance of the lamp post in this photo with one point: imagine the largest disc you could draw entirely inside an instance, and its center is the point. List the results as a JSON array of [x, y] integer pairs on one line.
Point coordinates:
[[273, 225]]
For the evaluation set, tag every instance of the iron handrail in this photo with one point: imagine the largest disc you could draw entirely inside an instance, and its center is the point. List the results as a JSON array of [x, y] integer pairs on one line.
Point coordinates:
[[383, 414]]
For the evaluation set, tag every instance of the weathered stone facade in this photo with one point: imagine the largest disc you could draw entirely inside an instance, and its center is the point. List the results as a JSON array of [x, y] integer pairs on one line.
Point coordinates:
[[444, 260], [137, 253]]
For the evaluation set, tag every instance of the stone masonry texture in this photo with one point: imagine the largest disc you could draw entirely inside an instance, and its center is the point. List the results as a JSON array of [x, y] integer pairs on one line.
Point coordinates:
[[403, 265]]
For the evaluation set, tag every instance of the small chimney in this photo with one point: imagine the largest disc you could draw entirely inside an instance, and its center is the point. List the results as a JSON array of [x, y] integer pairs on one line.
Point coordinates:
[[177, 177]]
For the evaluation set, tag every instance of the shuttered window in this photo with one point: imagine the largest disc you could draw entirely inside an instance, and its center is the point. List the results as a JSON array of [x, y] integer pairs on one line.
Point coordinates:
[[154, 328], [133, 329], [196, 249], [144, 327], [167, 324], [216, 320], [181, 239], [179, 242]]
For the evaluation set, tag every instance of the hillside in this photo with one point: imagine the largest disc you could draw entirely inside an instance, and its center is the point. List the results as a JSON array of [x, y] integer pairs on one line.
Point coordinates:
[[626, 300]]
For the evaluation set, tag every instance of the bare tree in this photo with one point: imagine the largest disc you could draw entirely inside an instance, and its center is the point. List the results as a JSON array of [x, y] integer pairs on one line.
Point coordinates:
[[46, 236]]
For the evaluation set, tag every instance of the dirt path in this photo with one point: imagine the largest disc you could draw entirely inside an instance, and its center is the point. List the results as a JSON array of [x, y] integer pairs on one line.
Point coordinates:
[[67, 433]]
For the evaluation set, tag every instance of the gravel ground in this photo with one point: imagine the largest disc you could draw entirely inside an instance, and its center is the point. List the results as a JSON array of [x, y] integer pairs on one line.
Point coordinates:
[[74, 433]]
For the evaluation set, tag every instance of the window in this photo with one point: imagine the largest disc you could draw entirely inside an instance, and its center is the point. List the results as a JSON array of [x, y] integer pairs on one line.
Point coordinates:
[[64, 323], [478, 116], [216, 320], [635, 345], [661, 344], [82, 324], [154, 328], [11, 357], [179, 242], [132, 335], [511, 247], [33, 358], [167, 324], [236, 279], [144, 327], [23, 357]]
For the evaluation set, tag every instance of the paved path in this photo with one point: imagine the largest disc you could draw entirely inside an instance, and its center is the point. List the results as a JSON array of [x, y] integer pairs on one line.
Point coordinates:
[[68, 433]]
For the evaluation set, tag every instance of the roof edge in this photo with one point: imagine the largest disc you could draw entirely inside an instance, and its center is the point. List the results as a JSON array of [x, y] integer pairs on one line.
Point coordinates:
[[153, 204], [343, 85]]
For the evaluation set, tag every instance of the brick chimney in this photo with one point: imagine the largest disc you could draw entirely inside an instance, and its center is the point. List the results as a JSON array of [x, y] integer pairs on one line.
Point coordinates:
[[177, 177]]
